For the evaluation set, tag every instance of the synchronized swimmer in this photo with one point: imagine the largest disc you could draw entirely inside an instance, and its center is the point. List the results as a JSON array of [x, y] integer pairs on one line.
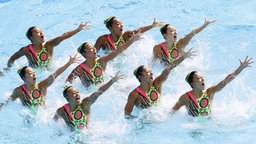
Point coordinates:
[[39, 53], [170, 50]]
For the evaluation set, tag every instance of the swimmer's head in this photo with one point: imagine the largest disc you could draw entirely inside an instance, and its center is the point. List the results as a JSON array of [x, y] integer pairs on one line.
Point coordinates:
[[29, 32], [109, 21], [82, 48], [163, 29], [189, 77], [137, 72], [66, 90], [22, 72]]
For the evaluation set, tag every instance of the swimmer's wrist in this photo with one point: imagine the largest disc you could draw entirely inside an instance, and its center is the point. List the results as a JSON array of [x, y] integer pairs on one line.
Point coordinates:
[[113, 80], [240, 68]]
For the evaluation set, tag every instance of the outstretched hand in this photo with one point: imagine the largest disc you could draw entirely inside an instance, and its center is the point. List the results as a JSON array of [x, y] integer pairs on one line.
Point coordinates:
[[83, 26], [189, 54], [116, 77], [74, 59], [157, 24], [246, 62], [136, 36], [206, 21]]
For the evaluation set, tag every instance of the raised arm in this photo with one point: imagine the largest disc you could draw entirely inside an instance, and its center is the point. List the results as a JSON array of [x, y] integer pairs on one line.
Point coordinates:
[[146, 28], [66, 35], [184, 41], [120, 49], [246, 63], [94, 96], [164, 75], [48, 81]]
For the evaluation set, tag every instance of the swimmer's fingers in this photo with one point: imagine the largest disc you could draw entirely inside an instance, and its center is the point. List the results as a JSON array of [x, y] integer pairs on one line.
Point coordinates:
[[250, 61], [84, 26], [156, 23], [88, 25], [190, 53], [193, 54], [137, 36], [116, 77], [74, 59], [121, 76], [246, 63], [207, 21]]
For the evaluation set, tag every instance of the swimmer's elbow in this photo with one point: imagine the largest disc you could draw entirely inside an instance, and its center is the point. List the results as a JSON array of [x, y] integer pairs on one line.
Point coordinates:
[[10, 62]]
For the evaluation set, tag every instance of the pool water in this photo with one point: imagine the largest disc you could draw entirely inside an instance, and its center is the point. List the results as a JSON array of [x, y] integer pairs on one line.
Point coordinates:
[[219, 48]]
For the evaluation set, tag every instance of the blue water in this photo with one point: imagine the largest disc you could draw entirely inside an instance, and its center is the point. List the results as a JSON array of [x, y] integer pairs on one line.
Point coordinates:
[[219, 46]]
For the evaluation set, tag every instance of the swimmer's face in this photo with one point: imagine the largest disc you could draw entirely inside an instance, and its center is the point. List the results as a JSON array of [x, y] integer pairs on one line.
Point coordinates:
[[37, 35], [198, 81], [30, 76], [90, 51], [171, 33], [146, 75], [117, 27], [73, 95]]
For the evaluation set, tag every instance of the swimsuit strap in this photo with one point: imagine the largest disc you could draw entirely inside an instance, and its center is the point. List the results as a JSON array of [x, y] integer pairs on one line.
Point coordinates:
[[32, 51], [193, 98], [142, 94], [26, 91], [67, 111], [121, 39], [175, 45], [111, 42], [86, 69], [164, 49]]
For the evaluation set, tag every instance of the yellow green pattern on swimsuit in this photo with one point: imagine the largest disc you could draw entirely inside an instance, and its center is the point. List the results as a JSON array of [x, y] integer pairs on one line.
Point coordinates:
[[204, 105], [149, 99], [201, 106], [77, 117], [42, 59], [116, 44], [94, 75], [172, 54], [120, 41], [98, 73], [34, 97]]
